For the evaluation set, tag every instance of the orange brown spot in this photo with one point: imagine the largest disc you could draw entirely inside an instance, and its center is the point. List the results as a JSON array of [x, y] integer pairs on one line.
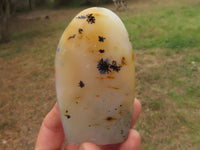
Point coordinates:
[[85, 108], [101, 78], [112, 87], [97, 95], [123, 61], [132, 56], [96, 124], [120, 112], [96, 14], [110, 77]]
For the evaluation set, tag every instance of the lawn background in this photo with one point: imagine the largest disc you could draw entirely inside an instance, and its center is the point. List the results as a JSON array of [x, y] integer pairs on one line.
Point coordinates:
[[165, 36]]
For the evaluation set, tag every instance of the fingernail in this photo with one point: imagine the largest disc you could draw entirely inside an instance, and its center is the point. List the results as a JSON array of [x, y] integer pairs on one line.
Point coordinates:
[[85, 147], [89, 146]]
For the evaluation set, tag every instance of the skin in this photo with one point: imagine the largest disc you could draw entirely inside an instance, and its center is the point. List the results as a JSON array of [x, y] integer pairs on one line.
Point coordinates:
[[51, 135]]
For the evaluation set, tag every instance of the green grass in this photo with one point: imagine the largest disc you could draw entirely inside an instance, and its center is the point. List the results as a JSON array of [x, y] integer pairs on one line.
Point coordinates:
[[170, 90], [173, 27], [5, 54], [166, 42]]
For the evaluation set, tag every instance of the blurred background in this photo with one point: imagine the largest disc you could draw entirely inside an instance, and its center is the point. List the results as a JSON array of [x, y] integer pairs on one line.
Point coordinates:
[[165, 36]]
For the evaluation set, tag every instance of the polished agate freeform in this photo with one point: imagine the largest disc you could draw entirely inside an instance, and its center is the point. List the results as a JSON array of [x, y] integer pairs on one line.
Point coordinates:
[[95, 78]]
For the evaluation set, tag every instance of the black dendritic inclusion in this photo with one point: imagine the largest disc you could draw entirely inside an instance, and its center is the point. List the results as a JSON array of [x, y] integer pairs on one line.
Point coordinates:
[[101, 50], [114, 66], [109, 118], [71, 37], [68, 116], [103, 66], [81, 17], [81, 84], [101, 39], [80, 30], [90, 19]]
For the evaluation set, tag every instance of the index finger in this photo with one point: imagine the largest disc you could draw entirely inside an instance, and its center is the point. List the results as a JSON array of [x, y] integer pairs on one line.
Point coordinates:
[[51, 134], [136, 111]]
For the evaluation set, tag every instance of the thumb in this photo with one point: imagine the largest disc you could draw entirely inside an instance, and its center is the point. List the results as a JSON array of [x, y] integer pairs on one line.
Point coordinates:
[[89, 146]]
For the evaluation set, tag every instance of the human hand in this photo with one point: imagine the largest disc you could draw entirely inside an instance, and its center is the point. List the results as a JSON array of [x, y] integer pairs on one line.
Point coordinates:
[[51, 135]]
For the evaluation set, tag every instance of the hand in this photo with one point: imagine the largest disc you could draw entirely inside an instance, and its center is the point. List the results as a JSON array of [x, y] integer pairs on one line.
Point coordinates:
[[51, 135]]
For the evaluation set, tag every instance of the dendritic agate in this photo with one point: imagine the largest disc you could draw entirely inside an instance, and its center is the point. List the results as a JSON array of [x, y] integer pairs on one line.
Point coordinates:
[[95, 78]]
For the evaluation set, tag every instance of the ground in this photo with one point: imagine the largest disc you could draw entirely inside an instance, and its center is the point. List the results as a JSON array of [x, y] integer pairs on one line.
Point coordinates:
[[166, 42]]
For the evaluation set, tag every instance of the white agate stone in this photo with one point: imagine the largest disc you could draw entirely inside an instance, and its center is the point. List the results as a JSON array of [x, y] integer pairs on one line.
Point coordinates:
[[95, 78]]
